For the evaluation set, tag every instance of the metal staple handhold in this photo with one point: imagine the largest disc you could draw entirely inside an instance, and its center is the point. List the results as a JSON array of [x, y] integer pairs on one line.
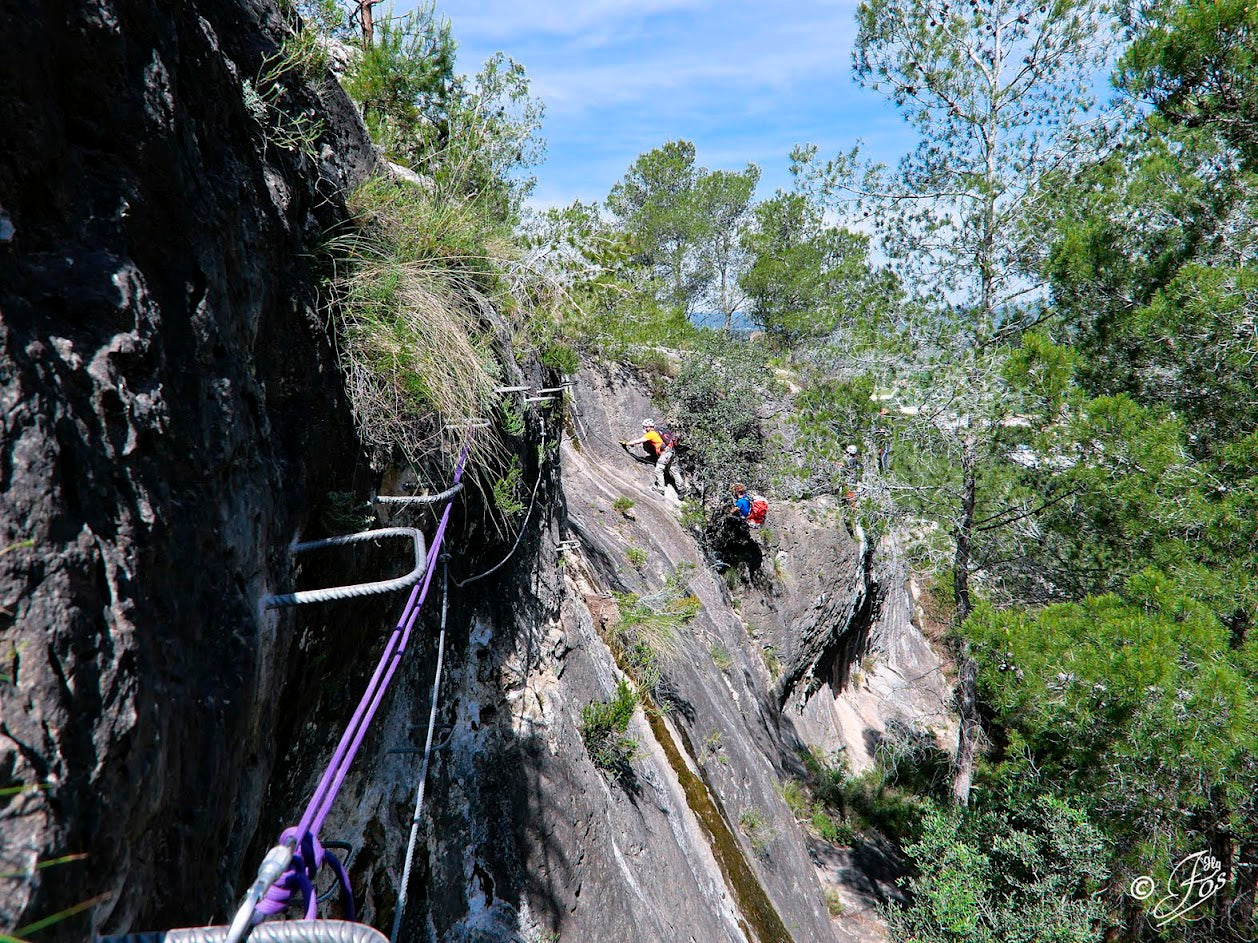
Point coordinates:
[[539, 399], [440, 498], [285, 931], [356, 589], [512, 389]]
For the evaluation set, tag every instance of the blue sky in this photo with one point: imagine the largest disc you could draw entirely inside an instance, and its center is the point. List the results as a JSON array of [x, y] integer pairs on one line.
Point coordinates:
[[744, 81]]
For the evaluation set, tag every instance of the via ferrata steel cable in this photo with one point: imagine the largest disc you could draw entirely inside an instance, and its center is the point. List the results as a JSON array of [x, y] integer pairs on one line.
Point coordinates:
[[302, 841], [423, 769], [523, 526]]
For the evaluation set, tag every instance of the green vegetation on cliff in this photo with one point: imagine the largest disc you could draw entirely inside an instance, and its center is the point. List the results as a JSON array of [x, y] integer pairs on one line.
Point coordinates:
[[1036, 332], [1045, 358]]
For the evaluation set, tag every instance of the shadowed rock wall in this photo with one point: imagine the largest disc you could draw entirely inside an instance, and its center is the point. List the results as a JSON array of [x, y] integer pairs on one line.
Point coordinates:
[[170, 402], [173, 417]]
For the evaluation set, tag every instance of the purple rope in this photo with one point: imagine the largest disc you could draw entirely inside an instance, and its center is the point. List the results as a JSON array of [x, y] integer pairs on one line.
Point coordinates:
[[309, 856]]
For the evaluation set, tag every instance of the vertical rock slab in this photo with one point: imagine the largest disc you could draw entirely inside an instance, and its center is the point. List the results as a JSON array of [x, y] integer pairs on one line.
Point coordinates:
[[168, 400]]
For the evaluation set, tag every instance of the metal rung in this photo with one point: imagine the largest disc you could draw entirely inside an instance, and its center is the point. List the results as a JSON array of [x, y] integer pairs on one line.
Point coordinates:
[[356, 589], [418, 498], [280, 931], [539, 399], [512, 389], [562, 388], [567, 546]]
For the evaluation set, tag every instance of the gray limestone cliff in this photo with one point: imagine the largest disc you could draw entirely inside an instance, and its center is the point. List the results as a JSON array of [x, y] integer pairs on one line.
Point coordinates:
[[160, 353], [174, 418]]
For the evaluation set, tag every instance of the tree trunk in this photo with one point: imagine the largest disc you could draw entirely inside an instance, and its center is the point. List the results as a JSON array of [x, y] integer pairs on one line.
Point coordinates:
[[969, 727], [365, 20], [729, 312]]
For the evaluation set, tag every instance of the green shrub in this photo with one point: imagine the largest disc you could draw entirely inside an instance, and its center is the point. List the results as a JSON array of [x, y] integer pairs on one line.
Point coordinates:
[[720, 657], [755, 825], [561, 358], [344, 512], [302, 58], [805, 804], [1015, 870], [714, 747], [603, 726], [506, 490], [512, 418], [693, 517], [645, 637], [834, 903], [622, 504], [658, 615], [826, 781], [714, 402], [642, 663], [837, 832], [771, 661], [637, 556], [408, 285], [795, 795], [890, 797]]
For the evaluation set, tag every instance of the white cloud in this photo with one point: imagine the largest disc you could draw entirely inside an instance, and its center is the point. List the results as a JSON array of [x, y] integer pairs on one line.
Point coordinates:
[[745, 81], [497, 20]]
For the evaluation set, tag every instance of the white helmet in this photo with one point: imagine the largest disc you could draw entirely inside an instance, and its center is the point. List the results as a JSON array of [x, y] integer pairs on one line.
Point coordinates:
[[852, 450], [648, 423]]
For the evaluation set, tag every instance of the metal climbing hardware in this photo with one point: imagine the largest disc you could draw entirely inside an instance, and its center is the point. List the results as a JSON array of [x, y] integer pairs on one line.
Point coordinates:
[[354, 590], [562, 388], [290, 931], [421, 499], [512, 389], [271, 870], [301, 842], [539, 399], [409, 860], [568, 546], [520, 535]]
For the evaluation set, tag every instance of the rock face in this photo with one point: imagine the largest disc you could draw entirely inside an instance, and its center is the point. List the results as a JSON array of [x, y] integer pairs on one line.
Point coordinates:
[[173, 418], [159, 356], [527, 839]]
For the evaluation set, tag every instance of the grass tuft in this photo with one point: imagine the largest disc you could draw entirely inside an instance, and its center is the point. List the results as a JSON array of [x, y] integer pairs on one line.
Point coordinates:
[[755, 825], [721, 656], [413, 343], [603, 726]]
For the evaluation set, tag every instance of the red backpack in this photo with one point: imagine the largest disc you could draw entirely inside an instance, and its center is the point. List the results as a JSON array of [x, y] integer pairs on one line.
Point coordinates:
[[669, 437], [759, 508]]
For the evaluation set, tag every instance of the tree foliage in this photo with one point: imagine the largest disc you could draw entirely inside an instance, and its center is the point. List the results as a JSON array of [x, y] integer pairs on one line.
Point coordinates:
[[656, 203], [1018, 871], [715, 402], [1196, 61], [1147, 702], [685, 222], [805, 276], [995, 90], [472, 137]]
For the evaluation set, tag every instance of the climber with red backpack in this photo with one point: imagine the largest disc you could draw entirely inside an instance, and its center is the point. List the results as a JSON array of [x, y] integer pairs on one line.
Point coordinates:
[[750, 506], [660, 445]]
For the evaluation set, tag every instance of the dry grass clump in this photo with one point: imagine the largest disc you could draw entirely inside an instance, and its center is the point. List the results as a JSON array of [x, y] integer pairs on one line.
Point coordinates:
[[411, 284]]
